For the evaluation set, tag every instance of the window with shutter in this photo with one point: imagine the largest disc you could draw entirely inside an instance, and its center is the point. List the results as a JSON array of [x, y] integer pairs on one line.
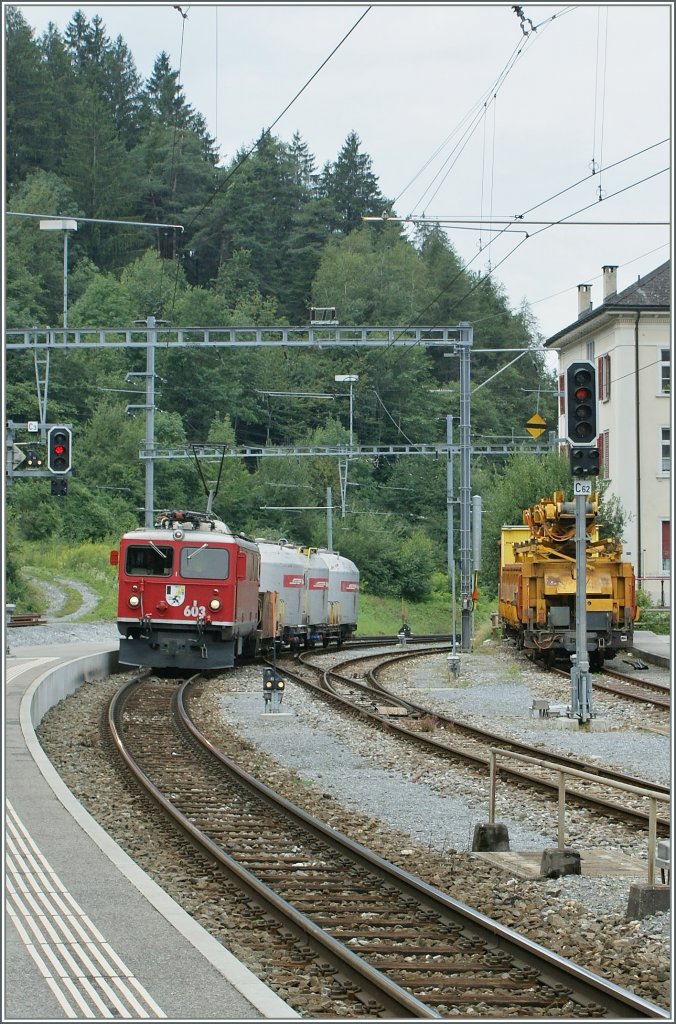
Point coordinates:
[[603, 377], [599, 377], [602, 443]]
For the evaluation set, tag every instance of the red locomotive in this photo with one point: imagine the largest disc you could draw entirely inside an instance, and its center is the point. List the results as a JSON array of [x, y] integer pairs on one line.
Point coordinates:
[[193, 595]]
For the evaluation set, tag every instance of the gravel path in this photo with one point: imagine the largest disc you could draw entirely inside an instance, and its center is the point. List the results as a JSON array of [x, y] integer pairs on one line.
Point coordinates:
[[56, 597]]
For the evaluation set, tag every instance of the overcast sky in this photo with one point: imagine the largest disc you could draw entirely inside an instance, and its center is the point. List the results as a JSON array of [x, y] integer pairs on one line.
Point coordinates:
[[465, 111]]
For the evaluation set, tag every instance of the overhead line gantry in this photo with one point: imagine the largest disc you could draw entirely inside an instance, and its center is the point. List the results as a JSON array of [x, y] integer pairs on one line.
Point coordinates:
[[150, 335]]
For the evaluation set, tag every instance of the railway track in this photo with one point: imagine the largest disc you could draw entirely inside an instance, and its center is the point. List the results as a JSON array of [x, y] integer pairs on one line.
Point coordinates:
[[449, 738], [374, 937], [623, 685]]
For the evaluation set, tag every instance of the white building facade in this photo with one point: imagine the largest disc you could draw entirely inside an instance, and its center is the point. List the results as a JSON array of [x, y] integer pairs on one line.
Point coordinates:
[[628, 338]]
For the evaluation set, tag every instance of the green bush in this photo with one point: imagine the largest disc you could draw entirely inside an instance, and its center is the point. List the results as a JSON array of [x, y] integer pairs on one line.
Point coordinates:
[[657, 620]]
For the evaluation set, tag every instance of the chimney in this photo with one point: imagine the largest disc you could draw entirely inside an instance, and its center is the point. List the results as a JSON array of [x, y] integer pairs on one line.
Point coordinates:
[[583, 299], [609, 281]]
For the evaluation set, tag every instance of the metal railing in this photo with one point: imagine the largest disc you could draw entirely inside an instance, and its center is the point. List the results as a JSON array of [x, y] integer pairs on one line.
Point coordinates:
[[653, 797], [662, 581]]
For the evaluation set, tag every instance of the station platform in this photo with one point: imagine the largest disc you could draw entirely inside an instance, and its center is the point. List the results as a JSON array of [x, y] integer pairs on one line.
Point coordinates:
[[88, 935], [652, 647]]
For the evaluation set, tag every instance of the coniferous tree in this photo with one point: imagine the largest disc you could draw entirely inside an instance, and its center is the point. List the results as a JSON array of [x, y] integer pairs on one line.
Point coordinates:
[[352, 186], [166, 104], [100, 176], [265, 237], [311, 228], [174, 181], [305, 166], [27, 109], [254, 211], [62, 99], [123, 91], [166, 101]]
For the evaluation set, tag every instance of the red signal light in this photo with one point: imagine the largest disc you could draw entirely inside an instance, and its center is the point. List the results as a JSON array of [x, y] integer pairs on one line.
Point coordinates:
[[59, 449], [581, 410]]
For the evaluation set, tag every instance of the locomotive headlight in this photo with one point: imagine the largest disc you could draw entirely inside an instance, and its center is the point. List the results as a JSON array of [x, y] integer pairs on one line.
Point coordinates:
[[134, 601], [214, 604]]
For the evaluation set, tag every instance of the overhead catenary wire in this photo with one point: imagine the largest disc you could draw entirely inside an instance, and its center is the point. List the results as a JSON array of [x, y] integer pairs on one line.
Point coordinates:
[[492, 176], [482, 222], [475, 116], [557, 223], [518, 217], [172, 166], [511, 227], [466, 265], [476, 113], [481, 281], [245, 156], [580, 181], [594, 165], [587, 277], [267, 131]]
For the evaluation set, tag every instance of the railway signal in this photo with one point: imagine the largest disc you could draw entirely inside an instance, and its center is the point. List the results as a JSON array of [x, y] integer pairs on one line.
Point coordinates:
[[58, 449], [581, 402], [33, 459], [584, 461], [273, 687]]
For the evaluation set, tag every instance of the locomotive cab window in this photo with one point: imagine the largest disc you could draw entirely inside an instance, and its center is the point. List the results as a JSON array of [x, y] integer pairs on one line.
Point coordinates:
[[149, 560], [201, 563]]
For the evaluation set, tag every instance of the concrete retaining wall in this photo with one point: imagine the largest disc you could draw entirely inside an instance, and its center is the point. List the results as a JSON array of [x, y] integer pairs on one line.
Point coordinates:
[[62, 680]]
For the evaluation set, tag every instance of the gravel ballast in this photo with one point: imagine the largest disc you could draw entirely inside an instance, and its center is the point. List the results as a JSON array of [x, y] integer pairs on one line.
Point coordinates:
[[388, 796], [439, 808]]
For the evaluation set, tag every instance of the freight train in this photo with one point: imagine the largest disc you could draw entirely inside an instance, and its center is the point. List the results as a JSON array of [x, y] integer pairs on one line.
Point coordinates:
[[193, 595], [538, 583]]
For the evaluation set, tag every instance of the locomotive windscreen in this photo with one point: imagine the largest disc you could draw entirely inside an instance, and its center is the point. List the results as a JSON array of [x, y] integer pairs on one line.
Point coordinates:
[[147, 560], [205, 563]]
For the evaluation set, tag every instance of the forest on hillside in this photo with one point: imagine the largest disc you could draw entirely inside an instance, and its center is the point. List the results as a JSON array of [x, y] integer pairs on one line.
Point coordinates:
[[267, 235]]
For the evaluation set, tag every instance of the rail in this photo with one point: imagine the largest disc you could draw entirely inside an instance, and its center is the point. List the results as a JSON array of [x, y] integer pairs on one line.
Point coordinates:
[[651, 795]]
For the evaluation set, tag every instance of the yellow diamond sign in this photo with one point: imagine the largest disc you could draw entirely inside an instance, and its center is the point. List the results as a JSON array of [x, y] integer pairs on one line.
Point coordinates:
[[536, 425]]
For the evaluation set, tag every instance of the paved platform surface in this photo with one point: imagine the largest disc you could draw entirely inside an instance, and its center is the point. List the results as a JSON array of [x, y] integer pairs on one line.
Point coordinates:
[[88, 935], [653, 647]]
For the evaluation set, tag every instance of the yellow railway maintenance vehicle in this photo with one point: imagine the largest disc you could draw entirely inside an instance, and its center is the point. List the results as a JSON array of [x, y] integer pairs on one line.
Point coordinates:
[[538, 582]]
